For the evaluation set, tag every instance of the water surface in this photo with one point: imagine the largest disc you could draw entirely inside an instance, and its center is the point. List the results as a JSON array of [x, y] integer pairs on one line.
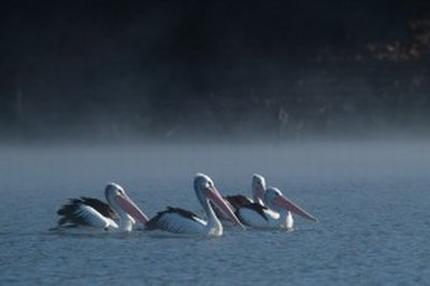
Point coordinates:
[[372, 200]]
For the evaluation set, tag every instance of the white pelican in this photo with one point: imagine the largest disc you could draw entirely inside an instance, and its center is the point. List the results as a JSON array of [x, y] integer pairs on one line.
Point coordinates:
[[268, 208], [275, 213], [180, 221], [119, 214]]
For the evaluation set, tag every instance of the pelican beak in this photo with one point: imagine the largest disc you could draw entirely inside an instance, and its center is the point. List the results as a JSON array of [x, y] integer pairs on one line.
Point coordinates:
[[283, 202], [217, 199], [132, 209]]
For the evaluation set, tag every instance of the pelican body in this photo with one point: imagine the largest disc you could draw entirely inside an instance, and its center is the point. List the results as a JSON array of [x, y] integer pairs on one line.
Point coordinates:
[[268, 208], [180, 221]]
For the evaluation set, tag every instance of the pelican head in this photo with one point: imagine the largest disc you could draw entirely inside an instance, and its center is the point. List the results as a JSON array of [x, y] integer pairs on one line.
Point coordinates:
[[275, 200], [258, 188], [122, 204], [206, 191]]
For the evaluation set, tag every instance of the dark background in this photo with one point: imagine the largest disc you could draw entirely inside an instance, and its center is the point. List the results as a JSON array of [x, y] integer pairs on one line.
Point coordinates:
[[281, 70]]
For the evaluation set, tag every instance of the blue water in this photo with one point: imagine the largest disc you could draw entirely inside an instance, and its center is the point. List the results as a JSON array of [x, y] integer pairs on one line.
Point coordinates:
[[372, 200]]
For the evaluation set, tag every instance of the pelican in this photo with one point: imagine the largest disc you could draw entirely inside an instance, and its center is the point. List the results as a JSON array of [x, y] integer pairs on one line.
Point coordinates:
[[180, 221], [275, 213], [120, 214], [268, 207]]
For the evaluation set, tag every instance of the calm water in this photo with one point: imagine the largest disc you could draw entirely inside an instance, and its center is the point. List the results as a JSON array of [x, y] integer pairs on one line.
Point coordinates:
[[372, 199]]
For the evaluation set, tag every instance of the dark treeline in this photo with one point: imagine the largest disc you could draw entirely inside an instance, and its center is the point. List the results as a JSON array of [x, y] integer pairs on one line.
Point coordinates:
[[166, 69]]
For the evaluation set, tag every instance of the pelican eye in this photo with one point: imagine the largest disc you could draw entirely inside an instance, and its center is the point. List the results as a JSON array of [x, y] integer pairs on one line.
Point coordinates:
[[208, 185]]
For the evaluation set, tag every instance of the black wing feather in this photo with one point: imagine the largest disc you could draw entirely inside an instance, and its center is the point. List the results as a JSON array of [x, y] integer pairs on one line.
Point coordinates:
[[157, 223], [69, 213], [238, 201], [255, 207], [102, 207]]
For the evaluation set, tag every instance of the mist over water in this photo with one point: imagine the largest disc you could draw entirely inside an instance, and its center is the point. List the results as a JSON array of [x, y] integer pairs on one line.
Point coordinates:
[[371, 199], [55, 166]]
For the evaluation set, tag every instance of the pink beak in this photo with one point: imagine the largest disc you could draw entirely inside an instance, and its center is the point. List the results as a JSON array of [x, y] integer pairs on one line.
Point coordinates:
[[285, 203], [214, 195], [132, 209]]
